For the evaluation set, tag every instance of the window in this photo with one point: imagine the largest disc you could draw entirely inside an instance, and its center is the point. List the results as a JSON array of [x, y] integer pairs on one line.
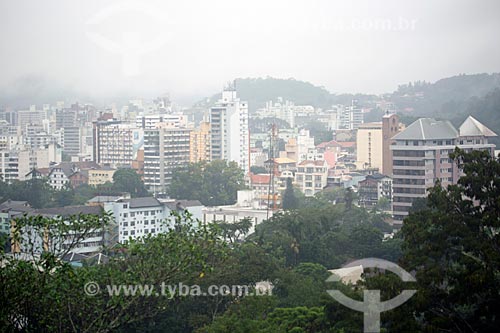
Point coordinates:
[[132, 223], [132, 214], [125, 214]]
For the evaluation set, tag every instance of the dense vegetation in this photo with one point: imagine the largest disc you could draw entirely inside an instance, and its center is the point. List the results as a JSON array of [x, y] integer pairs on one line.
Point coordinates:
[[212, 183]]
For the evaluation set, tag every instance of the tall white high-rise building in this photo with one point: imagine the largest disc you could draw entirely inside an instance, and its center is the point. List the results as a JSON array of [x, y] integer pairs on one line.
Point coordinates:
[[230, 139]]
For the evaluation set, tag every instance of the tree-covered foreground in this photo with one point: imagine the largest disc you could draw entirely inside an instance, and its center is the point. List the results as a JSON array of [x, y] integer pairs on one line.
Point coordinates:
[[450, 242]]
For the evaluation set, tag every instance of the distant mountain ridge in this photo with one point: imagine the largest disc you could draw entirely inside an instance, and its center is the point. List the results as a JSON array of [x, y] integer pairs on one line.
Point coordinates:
[[445, 97], [257, 91]]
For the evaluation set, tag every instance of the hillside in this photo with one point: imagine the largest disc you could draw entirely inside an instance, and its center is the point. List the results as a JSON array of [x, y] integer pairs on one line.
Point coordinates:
[[257, 91], [446, 97]]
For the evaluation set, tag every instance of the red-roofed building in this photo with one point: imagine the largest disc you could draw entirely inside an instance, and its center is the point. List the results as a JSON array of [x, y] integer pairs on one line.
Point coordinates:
[[259, 183]]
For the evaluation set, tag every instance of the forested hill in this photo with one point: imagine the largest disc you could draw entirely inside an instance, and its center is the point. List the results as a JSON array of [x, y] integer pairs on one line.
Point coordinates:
[[257, 91], [446, 97]]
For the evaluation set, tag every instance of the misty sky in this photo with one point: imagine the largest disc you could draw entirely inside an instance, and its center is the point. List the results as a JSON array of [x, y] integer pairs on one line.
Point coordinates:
[[191, 48]]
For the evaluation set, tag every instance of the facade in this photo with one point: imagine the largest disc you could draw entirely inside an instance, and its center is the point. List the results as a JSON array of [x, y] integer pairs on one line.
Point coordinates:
[[373, 188], [230, 138], [32, 116], [199, 143], [72, 174], [58, 244], [139, 217], [166, 148], [150, 121], [16, 164], [369, 140], [72, 144], [116, 143], [100, 176], [311, 176], [390, 127], [420, 157], [305, 142]]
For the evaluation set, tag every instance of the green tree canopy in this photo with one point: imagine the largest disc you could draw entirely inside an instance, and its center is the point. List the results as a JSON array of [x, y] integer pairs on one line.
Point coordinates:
[[212, 183]]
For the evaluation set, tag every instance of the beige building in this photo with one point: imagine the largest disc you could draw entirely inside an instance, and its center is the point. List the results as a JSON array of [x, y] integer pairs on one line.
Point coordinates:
[[101, 176], [369, 146], [199, 143], [311, 176]]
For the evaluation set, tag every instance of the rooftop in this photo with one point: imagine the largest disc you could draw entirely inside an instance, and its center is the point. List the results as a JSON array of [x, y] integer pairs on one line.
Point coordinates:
[[428, 129], [472, 127], [68, 211]]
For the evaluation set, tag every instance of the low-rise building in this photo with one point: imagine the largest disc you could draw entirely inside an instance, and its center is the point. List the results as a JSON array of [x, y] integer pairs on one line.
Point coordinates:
[[373, 188], [100, 176], [311, 176]]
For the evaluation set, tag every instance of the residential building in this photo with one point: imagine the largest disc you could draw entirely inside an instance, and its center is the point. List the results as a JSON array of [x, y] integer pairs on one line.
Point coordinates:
[[139, 217], [230, 138], [31, 116], [149, 121], [116, 143], [100, 176], [166, 148], [305, 142], [71, 174], [311, 176], [92, 243], [373, 188], [10, 209], [199, 143], [72, 140], [421, 157], [369, 146]]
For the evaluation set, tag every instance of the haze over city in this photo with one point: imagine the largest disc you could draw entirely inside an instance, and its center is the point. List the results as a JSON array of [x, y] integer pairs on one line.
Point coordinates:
[[318, 166], [345, 46]]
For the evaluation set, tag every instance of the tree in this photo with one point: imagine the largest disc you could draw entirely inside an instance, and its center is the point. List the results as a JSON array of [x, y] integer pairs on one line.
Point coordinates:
[[453, 244], [127, 180], [213, 184], [289, 199], [349, 198], [45, 294]]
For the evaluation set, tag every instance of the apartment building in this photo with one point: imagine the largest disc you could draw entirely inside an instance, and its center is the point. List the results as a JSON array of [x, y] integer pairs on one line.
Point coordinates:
[[139, 217], [373, 188], [421, 157], [369, 148], [199, 143], [230, 138], [166, 148], [311, 176], [116, 143]]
